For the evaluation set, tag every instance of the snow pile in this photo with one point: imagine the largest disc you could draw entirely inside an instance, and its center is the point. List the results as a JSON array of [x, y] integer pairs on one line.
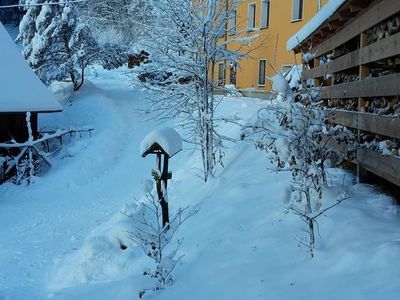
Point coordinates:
[[63, 91], [325, 13], [232, 91], [107, 254], [166, 137]]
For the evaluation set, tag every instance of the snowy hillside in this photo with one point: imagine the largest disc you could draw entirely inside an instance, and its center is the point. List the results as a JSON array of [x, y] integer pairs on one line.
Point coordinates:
[[61, 237]]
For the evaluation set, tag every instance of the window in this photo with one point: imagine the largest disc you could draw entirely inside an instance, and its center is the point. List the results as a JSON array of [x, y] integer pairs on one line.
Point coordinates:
[[264, 14], [261, 71], [297, 10], [251, 16], [285, 69], [221, 74], [232, 23]]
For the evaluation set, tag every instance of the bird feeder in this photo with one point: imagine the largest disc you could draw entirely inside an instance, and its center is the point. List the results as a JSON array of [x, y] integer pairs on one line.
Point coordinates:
[[164, 143]]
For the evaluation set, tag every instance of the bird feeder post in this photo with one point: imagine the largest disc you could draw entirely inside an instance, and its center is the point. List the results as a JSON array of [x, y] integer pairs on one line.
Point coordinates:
[[161, 177], [164, 143]]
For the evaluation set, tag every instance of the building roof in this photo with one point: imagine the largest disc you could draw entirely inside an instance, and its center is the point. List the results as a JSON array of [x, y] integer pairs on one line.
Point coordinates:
[[20, 89], [319, 19]]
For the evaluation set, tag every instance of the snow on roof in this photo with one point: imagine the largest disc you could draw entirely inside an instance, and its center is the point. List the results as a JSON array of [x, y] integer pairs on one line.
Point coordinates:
[[20, 89], [324, 14], [166, 137]]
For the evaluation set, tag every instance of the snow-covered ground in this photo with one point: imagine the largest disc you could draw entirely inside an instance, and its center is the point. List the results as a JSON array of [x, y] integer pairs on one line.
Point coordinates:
[[60, 238]]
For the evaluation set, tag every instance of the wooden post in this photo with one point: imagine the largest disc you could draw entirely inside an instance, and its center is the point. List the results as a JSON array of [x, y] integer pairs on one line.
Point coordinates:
[[363, 73], [317, 81], [161, 183]]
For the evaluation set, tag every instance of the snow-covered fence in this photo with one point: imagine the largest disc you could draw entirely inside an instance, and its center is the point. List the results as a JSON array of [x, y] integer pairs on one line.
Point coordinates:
[[355, 66], [164, 143], [22, 158]]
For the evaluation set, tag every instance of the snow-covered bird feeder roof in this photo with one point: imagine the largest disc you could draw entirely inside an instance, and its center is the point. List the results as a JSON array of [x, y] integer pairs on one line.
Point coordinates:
[[315, 23], [20, 89], [164, 140]]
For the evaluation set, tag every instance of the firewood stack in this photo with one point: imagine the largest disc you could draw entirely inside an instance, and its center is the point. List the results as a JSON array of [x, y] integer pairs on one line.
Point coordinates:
[[384, 29]]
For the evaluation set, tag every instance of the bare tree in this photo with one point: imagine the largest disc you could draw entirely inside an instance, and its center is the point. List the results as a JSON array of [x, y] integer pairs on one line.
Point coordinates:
[[186, 43], [118, 21]]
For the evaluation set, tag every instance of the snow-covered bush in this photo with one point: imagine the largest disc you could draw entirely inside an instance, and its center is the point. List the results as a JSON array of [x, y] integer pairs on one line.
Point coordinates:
[[156, 241], [293, 130]]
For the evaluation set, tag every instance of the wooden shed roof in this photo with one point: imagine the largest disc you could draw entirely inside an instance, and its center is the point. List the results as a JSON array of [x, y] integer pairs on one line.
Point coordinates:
[[20, 89], [326, 23]]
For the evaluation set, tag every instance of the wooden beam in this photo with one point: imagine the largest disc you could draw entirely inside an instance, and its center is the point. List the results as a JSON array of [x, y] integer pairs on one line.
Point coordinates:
[[363, 70], [379, 50], [371, 16], [386, 167], [317, 81], [355, 8], [324, 31], [383, 125], [359, 3], [344, 15], [334, 24], [316, 39], [388, 85]]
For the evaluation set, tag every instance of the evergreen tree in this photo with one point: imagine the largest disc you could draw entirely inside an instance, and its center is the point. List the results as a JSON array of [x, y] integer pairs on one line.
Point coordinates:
[[58, 45], [10, 15]]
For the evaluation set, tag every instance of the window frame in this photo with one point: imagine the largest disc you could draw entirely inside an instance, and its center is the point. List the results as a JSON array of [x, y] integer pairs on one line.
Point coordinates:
[[268, 13], [232, 21], [254, 16], [289, 66], [300, 12], [264, 82]]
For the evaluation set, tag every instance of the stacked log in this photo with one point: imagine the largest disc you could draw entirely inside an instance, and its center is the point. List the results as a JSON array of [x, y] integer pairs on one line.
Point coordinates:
[[384, 29]]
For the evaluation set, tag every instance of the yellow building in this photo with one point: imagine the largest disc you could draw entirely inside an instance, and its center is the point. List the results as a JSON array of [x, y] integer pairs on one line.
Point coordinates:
[[274, 21]]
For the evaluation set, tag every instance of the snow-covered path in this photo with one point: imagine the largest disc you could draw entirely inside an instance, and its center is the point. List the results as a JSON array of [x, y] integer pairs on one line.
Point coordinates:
[[52, 217]]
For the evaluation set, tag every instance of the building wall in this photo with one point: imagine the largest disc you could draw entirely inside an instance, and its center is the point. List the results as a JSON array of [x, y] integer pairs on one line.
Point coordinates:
[[271, 43]]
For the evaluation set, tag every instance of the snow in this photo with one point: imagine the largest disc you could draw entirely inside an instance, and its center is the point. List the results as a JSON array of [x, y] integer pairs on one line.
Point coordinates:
[[279, 83], [166, 137], [62, 236], [325, 13], [293, 77], [21, 90]]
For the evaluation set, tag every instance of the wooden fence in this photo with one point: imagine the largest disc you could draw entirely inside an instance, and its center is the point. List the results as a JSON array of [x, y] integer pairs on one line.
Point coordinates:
[[50, 142], [356, 65]]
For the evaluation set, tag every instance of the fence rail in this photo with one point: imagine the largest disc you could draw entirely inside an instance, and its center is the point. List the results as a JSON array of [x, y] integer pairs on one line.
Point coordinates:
[[383, 125]]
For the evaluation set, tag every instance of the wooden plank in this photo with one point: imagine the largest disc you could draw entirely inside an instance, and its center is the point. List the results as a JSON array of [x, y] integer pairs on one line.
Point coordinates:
[[382, 49], [388, 85], [371, 16], [383, 125], [386, 167]]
